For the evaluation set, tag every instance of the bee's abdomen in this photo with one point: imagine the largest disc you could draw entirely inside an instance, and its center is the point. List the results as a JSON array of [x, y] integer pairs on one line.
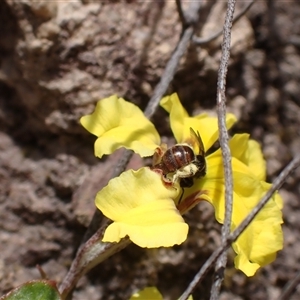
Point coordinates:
[[176, 157]]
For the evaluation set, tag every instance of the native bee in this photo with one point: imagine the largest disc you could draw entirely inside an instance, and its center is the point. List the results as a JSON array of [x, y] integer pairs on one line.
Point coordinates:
[[183, 162]]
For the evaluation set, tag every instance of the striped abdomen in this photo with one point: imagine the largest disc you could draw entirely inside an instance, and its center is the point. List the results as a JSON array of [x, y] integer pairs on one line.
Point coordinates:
[[175, 158]]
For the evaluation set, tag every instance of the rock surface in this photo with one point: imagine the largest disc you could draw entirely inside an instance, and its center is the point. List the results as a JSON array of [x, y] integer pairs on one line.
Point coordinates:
[[57, 58]]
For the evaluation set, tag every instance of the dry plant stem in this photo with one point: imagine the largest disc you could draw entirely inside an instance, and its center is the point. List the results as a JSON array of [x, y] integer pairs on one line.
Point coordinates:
[[289, 288], [226, 155], [172, 64], [169, 72], [88, 256], [180, 13], [201, 41], [238, 231], [94, 251]]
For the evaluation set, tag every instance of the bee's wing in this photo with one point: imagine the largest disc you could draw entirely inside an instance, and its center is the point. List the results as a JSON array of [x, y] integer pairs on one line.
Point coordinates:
[[196, 142]]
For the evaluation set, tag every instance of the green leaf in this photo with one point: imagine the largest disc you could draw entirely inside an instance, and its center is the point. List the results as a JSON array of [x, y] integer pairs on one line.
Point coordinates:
[[34, 290]]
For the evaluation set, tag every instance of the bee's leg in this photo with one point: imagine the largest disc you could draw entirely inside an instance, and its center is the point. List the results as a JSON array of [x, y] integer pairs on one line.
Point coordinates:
[[181, 196], [175, 178], [187, 171], [180, 174]]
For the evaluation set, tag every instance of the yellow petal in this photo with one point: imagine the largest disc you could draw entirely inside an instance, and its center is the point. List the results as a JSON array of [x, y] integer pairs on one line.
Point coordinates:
[[118, 123], [181, 122], [249, 152], [143, 209], [156, 224], [178, 114], [258, 244], [148, 293]]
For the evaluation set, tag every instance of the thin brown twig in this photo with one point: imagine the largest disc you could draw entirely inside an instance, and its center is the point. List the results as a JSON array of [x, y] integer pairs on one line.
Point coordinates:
[[172, 64], [169, 72], [201, 41], [189, 18], [238, 231], [88, 256], [289, 288], [226, 154], [180, 13]]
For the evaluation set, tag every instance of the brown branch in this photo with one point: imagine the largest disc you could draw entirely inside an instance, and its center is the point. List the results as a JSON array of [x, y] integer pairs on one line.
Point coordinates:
[[180, 13], [92, 253], [169, 72], [238, 231], [289, 288], [226, 155], [201, 41]]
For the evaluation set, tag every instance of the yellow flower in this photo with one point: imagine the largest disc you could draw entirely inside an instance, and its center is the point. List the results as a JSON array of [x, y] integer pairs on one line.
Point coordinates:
[[140, 204], [150, 293], [147, 209], [147, 293], [118, 123], [142, 208]]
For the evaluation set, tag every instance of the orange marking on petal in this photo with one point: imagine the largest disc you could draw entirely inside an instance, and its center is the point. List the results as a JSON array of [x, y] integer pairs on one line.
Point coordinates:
[[190, 201]]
